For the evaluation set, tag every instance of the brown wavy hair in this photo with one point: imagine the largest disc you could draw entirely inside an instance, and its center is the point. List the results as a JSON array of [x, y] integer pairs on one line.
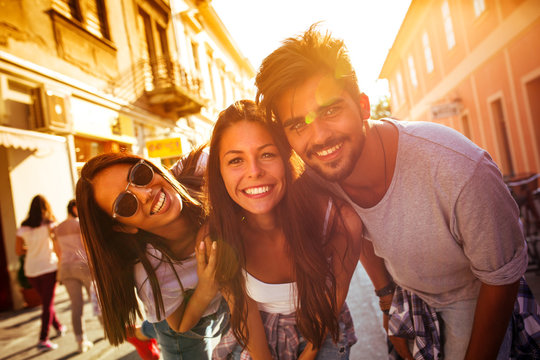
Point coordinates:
[[302, 224], [297, 60], [112, 254], [40, 212]]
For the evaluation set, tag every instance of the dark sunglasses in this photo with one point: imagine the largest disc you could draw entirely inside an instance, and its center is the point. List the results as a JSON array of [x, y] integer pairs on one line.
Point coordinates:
[[127, 204]]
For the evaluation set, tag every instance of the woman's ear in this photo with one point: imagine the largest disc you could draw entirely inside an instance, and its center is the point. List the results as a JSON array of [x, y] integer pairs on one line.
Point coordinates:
[[128, 229]]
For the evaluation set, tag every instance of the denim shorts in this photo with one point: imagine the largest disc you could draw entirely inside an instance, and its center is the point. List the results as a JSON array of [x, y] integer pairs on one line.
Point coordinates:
[[197, 343], [331, 350], [457, 322]]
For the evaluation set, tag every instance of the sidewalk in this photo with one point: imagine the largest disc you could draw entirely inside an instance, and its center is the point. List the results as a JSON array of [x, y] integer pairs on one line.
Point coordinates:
[[19, 333], [19, 329]]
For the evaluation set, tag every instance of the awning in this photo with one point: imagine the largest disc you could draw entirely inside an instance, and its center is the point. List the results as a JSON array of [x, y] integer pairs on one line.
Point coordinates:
[[24, 139]]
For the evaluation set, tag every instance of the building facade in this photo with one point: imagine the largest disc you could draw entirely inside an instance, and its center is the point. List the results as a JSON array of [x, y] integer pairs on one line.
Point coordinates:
[[472, 65], [83, 77]]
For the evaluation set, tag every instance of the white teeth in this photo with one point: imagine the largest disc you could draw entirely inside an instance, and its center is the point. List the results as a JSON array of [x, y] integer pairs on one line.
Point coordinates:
[[159, 204], [257, 190], [329, 151]]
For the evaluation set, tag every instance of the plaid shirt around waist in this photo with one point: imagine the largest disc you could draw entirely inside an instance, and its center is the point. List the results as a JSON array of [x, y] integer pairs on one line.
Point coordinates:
[[411, 318], [284, 338]]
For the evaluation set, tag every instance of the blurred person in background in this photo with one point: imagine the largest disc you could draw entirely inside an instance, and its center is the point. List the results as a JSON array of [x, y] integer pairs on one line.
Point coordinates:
[[35, 240], [74, 272]]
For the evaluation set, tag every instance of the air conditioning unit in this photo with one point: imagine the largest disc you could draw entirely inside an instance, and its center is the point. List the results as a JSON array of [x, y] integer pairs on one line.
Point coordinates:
[[56, 113]]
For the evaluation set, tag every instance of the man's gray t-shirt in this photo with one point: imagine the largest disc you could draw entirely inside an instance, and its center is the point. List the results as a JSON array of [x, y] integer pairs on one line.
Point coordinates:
[[447, 221]]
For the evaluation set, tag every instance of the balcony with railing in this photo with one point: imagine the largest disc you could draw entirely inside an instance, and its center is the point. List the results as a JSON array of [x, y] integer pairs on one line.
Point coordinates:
[[162, 83]]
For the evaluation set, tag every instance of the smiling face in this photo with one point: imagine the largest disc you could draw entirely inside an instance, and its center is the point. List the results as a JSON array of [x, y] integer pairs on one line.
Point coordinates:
[[323, 125], [159, 204], [252, 169]]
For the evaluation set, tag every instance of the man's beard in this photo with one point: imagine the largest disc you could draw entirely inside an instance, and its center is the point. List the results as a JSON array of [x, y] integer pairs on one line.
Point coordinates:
[[339, 169]]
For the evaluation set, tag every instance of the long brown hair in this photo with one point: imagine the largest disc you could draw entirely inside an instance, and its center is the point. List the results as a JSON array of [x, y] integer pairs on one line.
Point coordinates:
[[39, 213], [302, 224], [112, 254]]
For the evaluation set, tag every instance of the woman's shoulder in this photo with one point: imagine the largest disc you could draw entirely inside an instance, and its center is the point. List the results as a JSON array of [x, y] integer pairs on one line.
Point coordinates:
[[22, 230], [349, 228]]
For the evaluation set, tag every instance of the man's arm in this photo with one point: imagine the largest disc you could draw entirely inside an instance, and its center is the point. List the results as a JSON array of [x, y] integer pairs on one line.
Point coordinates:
[[487, 225], [488, 330]]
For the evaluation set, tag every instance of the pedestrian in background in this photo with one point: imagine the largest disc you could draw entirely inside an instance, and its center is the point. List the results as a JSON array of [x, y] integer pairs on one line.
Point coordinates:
[[35, 239], [74, 272]]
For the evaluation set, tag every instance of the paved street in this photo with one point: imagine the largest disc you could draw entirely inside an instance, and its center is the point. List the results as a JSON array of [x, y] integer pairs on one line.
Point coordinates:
[[19, 330]]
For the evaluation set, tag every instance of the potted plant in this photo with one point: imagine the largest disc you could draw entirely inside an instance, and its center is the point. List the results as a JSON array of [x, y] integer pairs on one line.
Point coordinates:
[[30, 295]]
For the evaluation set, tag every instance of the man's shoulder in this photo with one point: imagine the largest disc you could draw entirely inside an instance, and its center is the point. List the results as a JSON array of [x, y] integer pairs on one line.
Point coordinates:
[[436, 140]]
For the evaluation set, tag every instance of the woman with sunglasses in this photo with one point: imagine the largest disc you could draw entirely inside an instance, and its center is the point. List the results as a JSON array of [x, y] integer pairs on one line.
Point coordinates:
[[285, 248], [140, 230]]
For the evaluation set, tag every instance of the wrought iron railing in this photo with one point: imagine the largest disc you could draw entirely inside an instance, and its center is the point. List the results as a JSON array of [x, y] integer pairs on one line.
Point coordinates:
[[159, 75]]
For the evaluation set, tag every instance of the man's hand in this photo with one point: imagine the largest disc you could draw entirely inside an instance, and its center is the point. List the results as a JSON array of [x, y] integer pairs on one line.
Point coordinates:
[[400, 344]]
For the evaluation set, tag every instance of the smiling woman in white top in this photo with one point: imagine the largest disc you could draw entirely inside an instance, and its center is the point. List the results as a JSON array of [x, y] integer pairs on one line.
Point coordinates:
[[286, 249]]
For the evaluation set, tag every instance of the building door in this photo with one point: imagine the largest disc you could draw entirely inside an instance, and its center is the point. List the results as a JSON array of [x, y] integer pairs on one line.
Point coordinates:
[[466, 126], [503, 143], [533, 94], [155, 49], [6, 302]]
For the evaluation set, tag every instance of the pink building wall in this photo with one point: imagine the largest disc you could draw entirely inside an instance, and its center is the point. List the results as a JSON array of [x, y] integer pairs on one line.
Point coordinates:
[[493, 72]]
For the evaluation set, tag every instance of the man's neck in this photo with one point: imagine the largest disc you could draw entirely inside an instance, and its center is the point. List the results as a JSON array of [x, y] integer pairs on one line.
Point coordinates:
[[373, 172]]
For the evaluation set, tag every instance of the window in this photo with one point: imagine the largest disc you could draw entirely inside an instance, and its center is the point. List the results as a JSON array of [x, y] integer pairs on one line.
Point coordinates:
[[89, 14], [533, 96], [479, 7], [427, 53], [85, 148], [222, 76], [448, 28], [466, 126], [210, 58], [21, 106], [400, 85], [412, 71], [158, 68], [395, 98], [503, 141], [195, 51]]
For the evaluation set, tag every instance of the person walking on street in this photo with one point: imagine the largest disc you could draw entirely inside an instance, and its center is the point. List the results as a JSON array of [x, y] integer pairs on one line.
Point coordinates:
[[35, 240], [74, 272]]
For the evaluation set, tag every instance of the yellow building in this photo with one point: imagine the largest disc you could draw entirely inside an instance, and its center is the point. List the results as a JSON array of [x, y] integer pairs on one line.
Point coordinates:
[[83, 77]]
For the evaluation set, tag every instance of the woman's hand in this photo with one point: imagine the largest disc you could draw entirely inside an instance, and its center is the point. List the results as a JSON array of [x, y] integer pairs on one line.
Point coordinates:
[[20, 246], [206, 268], [188, 315], [308, 353], [400, 344]]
